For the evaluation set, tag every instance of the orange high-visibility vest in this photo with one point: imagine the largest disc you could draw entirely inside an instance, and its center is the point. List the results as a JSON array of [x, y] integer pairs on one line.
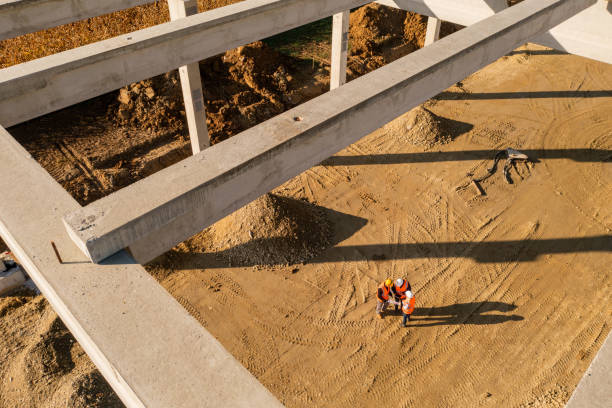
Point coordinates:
[[408, 305], [401, 290], [383, 293]]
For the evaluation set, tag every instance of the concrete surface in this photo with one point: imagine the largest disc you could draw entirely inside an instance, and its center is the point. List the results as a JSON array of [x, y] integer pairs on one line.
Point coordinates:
[[204, 188], [19, 17], [588, 34], [464, 12], [50, 83], [595, 388], [340, 39], [149, 349], [191, 84]]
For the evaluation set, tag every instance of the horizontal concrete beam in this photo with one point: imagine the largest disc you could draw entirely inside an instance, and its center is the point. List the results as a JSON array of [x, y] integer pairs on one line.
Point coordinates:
[[18, 17], [50, 83], [156, 213], [149, 349]]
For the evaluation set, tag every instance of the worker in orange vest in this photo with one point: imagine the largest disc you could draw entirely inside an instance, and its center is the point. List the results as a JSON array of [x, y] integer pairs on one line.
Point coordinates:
[[382, 297], [407, 307], [399, 289]]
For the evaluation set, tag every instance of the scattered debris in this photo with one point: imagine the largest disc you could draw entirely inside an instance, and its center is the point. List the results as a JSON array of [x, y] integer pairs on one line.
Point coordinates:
[[512, 156], [11, 275]]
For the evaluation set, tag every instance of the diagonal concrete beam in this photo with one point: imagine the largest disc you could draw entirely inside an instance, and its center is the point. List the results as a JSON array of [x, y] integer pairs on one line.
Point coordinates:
[[463, 12], [587, 34], [50, 83], [149, 349], [18, 17], [164, 209]]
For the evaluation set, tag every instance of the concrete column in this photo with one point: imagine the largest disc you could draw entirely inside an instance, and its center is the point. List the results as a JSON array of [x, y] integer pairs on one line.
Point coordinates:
[[340, 32], [191, 84], [433, 30]]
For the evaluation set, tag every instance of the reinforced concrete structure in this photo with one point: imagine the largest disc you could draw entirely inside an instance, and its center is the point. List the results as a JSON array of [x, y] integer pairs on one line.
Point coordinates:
[[123, 319]]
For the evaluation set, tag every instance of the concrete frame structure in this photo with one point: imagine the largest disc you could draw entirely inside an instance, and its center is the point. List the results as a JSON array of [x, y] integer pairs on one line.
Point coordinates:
[[152, 223], [119, 314]]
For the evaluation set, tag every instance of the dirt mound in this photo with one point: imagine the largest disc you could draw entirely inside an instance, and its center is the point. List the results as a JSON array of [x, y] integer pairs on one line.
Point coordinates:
[[47, 367], [272, 230], [242, 87], [152, 103], [381, 34], [422, 127]]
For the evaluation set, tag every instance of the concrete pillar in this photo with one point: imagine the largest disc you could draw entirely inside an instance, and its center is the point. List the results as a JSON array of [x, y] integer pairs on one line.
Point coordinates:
[[340, 32], [433, 30], [191, 84]]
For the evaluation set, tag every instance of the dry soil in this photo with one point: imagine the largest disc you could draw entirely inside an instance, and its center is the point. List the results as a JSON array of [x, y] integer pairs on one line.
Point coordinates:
[[512, 288]]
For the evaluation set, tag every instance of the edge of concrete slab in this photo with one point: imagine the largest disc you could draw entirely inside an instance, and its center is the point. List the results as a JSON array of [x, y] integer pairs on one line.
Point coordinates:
[[595, 388]]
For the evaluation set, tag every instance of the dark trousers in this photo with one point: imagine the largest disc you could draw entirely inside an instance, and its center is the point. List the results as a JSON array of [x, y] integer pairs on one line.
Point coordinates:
[[406, 318]]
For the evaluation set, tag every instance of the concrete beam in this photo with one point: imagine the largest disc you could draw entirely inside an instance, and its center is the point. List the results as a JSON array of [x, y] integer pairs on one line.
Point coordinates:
[[149, 349], [340, 39], [433, 30], [18, 17], [588, 34], [463, 12], [204, 188], [191, 83], [47, 84]]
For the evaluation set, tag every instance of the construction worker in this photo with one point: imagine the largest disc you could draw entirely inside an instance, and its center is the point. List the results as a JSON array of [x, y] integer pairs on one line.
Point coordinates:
[[399, 289], [382, 297], [407, 307]]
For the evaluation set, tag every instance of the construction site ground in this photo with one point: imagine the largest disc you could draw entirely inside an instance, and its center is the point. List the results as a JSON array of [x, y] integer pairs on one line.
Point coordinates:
[[512, 287]]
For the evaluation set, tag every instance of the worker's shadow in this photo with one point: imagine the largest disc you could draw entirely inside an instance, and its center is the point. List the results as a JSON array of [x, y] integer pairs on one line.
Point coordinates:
[[463, 313]]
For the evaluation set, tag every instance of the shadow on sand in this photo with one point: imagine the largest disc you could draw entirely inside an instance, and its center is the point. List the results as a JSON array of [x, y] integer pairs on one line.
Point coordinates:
[[461, 313]]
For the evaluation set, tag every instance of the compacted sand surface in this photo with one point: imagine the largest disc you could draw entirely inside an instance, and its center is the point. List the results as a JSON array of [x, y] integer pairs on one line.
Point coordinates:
[[512, 287]]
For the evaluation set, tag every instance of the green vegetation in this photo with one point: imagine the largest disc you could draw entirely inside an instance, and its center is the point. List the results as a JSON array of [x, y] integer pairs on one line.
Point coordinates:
[[309, 42]]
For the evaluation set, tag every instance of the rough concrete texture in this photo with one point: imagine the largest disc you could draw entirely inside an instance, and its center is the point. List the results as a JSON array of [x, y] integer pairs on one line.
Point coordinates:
[[205, 188], [131, 328], [595, 388]]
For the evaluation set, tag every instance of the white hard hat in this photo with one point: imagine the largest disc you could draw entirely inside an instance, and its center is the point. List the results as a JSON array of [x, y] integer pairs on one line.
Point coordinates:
[[399, 282], [409, 294]]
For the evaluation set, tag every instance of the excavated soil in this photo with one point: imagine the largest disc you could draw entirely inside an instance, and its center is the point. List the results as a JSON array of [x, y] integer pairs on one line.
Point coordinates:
[[513, 284]]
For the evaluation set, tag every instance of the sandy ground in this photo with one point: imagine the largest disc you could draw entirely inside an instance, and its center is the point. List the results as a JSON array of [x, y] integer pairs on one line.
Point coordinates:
[[512, 288]]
